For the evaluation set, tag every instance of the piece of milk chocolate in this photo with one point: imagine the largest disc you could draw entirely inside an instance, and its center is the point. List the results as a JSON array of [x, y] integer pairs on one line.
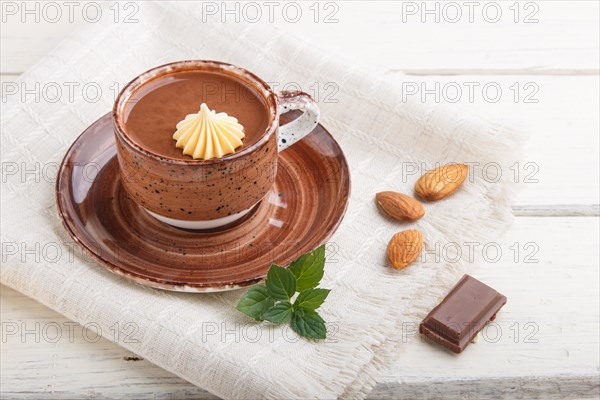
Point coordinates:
[[462, 314]]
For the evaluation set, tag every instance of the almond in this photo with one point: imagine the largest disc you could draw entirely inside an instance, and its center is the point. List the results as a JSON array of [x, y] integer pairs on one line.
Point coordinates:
[[404, 248], [400, 206], [441, 182]]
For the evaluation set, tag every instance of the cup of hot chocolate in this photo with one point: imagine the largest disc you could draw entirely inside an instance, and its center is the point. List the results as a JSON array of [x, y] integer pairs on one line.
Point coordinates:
[[198, 141]]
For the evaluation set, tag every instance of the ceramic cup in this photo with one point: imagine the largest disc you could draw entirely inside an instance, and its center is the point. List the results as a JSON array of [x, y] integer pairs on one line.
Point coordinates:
[[207, 194]]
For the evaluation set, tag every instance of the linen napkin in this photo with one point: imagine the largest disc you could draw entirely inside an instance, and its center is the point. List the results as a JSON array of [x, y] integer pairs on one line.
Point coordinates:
[[201, 337]]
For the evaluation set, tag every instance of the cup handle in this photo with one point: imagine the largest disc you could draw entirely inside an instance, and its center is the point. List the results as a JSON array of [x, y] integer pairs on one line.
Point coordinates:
[[291, 132]]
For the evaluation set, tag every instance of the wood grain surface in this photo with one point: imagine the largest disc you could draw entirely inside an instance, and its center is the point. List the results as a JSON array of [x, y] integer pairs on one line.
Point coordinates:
[[546, 345]]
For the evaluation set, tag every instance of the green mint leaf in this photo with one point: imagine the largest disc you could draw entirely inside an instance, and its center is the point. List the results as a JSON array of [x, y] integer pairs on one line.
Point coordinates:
[[311, 299], [308, 269], [308, 324], [281, 283], [255, 302], [279, 313]]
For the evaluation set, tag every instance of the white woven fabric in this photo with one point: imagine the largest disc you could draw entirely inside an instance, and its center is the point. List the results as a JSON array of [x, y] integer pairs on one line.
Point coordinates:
[[379, 134]]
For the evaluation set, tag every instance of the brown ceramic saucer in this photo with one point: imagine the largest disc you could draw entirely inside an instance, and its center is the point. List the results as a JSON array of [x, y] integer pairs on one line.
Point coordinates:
[[303, 209]]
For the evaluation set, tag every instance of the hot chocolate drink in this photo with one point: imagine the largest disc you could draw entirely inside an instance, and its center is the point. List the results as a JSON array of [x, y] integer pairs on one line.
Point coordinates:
[[153, 111], [198, 141]]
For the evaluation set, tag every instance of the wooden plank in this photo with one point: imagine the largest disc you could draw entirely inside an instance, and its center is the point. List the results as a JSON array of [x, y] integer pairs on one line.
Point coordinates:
[[560, 162], [571, 210], [563, 40], [550, 325], [505, 388], [558, 297]]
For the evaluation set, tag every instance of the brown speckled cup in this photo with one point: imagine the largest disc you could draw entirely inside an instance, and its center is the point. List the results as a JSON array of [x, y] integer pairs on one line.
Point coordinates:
[[205, 194]]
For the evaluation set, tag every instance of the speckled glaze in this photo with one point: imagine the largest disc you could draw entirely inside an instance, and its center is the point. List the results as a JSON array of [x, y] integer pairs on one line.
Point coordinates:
[[301, 210], [208, 190], [297, 129], [189, 191]]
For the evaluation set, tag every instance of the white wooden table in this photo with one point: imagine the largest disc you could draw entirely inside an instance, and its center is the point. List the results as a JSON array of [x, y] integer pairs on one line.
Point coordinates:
[[546, 342]]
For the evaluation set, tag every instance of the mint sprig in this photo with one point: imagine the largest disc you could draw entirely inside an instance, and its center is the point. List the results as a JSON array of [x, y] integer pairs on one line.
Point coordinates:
[[273, 301], [279, 313], [256, 302], [311, 299], [281, 283], [308, 269], [309, 324]]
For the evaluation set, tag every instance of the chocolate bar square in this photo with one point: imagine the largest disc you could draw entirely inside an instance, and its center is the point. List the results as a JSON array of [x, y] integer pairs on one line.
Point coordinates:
[[462, 314]]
